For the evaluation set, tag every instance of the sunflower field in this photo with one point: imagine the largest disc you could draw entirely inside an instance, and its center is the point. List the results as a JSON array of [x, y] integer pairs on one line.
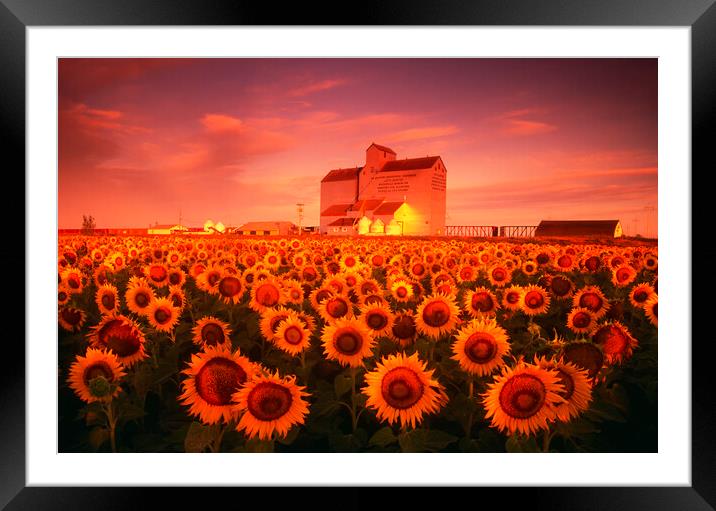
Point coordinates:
[[317, 344]]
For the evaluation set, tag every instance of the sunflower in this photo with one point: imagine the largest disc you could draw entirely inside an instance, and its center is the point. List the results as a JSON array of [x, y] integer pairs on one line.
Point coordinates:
[[96, 376], [230, 288], [100, 274], [623, 275], [565, 262], [436, 316], [177, 297], [511, 298], [499, 275], [293, 292], [107, 299], [120, 335], [272, 260], [561, 287], [270, 320], [139, 297], [401, 389], [593, 299], [271, 405], [318, 296], [266, 294], [577, 392], [73, 280], [213, 376], [584, 354], [292, 336], [208, 280], [640, 294], [481, 346], [530, 267], [404, 330], [401, 290], [616, 342], [651, 262], [210, 331], [350, 262], [173, 258], [378, 318], [307, 320], [63, 295], [157, 274], [177, 277], [591, 262], [162, 314], [651, 309], [480, 302], [581, 320], [335, 307], [369, 287], [523, 399], [71, 318], [348, 341], [535, 300]]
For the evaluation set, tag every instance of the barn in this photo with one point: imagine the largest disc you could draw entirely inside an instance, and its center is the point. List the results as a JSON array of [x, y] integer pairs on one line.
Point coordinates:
[[579, 229]]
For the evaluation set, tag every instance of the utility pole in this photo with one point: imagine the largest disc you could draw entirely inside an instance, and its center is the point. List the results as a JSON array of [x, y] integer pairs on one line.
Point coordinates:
[[300, 216]]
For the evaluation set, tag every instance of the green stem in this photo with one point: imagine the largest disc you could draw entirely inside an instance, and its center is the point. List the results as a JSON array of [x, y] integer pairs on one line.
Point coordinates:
[[216, 444], [354, 417], [111, 425], [470, 394], [546, 440]]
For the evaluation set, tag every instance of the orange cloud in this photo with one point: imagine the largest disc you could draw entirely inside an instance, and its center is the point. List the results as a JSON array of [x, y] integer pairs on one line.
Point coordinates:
[[522, 127], [314, 87], [218, 123], [422, 133]]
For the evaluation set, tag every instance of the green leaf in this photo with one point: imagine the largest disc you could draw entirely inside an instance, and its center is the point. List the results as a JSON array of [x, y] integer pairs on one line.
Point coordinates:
[[342, 384], [98, 436], [437, 440], [256, 445], [383, 437], [198, 437], [521, 443], [290, 437], [413, 441]]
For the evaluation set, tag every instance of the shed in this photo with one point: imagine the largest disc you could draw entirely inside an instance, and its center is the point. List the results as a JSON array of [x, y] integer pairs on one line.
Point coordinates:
[[579, 228]]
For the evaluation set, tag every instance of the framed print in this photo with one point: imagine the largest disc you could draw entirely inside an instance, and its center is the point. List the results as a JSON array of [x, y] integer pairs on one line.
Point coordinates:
[[425, 254]]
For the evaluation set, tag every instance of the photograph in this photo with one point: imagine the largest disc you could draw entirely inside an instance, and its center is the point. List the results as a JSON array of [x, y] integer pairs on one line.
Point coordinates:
[[357, 255]]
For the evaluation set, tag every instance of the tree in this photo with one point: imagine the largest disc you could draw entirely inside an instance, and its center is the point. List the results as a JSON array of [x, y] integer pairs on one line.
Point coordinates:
[[88, 224]]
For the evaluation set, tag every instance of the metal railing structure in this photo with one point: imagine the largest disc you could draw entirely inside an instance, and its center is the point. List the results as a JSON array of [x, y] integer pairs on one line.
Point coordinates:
[[491, 231]]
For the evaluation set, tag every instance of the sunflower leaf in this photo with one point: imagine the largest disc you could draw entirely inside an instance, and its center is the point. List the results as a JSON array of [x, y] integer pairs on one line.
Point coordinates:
[[98, 436], [342, 384], [198, 437], [521, 443], [383, 437]]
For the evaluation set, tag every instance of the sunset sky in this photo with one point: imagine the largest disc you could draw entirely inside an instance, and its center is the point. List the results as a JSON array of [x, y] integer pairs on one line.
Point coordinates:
[[236, 140]]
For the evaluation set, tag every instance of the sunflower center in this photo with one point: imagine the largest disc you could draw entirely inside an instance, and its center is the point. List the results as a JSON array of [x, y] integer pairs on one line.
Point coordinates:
[[71, 316], [623, 274], [322, 295], [512, 297], [404, 327], [108, 301], [229, 286], [401, 388], [162, 315], [293, 335], [584, 355], [612, 339], [591, 301], [376, 320], [522, 396], [377, 260], [62, 296], [499, 274], [267, 295], [568, 382], [581, 320], [96, 370], [174, 278], [218, 379], [542, 258], [348, 342], [213, 278], [269, 401], [73, 282], [482, 302], [418, 269], [120, 338], [212, 334], [560, 286], [564, 262], [373, 300], [466, 274], [436, 314], [480, 347], [336, 307], [157, 273], [534, 299], [655, 309], [640, 296], [276, 321], [592, 263], [402, 292], [141, 299]]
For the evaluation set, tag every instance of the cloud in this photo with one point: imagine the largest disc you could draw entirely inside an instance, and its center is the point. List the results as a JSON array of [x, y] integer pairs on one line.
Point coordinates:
[[522, 127], [422, 133], [219, 123], [314, 87]]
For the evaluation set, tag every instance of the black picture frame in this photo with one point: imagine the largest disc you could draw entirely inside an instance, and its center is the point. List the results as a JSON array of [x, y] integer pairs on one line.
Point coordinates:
[[16, 15]]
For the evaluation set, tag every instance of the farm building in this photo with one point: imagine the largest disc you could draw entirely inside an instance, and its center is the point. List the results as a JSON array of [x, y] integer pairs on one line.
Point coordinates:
[[579, 229], [267, 229], [385, 196], [166, 229]]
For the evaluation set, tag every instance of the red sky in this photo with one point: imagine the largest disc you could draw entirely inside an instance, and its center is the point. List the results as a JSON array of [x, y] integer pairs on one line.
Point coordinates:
[[236, 140]]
